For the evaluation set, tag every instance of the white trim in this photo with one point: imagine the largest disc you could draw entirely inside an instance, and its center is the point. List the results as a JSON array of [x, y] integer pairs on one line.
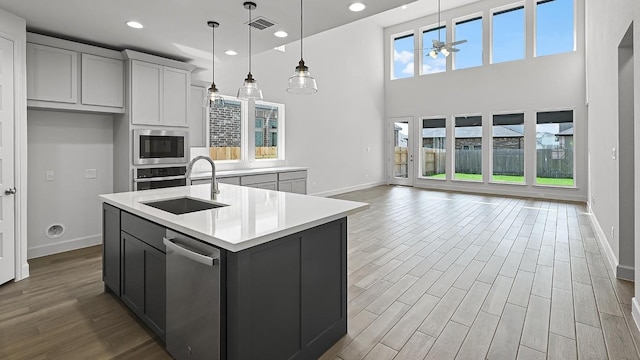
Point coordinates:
[[73, 244], [635, 312], [392, 39], [602, 238], [625, 272], [349, 189]]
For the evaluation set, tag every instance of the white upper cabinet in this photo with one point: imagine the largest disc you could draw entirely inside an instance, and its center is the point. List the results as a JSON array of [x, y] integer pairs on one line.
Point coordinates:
[[198, 115], [146, 93], [65, 75], [102, 81], [176, 89], [52, 74]]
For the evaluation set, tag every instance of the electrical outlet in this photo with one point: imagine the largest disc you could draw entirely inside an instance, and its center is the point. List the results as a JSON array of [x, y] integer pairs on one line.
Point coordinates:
[[368, 148], [90, 173], [366, 175], [49, 175], [315, 185], [593, 201], [613, 153], [613, 233]]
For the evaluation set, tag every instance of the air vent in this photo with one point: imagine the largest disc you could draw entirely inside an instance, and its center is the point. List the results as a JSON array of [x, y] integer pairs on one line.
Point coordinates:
[[261, 23]]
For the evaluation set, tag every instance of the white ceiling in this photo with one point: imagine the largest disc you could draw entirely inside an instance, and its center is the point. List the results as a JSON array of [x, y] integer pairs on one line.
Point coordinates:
[[178, 28]]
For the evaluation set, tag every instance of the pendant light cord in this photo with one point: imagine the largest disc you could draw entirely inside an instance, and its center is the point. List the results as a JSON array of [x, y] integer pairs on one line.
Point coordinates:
[[439, 27], [301, 29], [249, 39], [213, 54]]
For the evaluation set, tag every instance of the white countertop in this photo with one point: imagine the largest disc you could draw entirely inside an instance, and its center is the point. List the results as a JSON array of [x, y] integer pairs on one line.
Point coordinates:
[[245, 172], [253, 217]]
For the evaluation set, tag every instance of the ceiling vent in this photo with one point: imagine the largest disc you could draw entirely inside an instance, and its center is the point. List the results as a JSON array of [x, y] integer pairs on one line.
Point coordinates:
[[261, 23]]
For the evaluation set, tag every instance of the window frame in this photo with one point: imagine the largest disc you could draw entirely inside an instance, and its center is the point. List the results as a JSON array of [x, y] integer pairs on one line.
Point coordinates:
[[421, 31], [244, 111], [535, 30], [501, 9], [575, 142], [463, 19], [392, 39], [281, 131]]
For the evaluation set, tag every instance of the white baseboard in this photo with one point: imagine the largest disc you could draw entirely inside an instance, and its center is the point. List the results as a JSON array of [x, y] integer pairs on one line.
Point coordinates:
[[24, 272], [348, 189], [635, 312], [62, 246], [602, 238]]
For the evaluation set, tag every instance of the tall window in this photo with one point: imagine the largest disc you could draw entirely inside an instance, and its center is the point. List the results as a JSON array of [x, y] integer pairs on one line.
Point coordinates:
[[434, 153], [508, 35], [266, 131], [429, 64], [508, 148], [468, 148], [403, 63], [554, 27], [470, 54], [554, 148], [225, 131]]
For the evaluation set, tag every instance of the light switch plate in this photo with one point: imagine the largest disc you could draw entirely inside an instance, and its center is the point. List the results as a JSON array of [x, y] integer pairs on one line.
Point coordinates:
[[90, 173], [49, 175]]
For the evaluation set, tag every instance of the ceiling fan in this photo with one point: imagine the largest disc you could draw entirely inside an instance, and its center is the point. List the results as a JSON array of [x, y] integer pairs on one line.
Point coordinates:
[[443, 47]]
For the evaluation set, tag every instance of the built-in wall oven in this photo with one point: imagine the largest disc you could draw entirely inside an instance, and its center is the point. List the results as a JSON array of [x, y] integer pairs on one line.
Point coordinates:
[[159, 177], [160, 147]]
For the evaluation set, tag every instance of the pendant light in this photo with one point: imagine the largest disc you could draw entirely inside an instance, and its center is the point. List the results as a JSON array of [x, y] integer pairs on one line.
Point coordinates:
[[302, 83], [250, 89], [214, 98]]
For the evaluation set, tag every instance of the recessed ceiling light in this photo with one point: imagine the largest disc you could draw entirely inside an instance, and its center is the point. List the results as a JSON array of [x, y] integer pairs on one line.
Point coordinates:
[[134, 24], [280, 34], [404, 7], [355, 7], [231, 52]]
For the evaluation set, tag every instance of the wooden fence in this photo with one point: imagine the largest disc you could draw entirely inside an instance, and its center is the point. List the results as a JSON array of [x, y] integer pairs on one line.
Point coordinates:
[[400, 162], [233, 152], [435, 161], [554, 163]]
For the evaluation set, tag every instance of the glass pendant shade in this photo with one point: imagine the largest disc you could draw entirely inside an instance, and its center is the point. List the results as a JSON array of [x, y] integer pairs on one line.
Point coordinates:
[[445, 52], [302, 83], [214, 98], [250, 89], [433, 54]]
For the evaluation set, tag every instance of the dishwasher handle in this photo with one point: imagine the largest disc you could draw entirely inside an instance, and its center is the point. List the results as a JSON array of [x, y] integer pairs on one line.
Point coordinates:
[[188, 253]]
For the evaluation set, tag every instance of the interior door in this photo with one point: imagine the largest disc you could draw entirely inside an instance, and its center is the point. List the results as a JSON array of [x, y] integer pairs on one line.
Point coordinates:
[[401, 146], [7, 206]]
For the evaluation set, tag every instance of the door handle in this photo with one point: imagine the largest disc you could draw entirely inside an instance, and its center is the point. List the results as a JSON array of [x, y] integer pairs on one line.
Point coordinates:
[[10, 191], [188, 253]]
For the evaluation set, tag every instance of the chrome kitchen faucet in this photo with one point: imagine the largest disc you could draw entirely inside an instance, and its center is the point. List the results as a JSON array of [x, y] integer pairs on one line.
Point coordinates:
[[214, 183]]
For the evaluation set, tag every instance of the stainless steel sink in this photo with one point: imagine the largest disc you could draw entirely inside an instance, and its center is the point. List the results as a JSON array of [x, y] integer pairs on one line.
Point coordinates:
[[183, 205]]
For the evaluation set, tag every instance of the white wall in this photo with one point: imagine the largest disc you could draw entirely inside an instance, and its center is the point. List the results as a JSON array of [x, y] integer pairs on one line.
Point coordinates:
[[547, 83], [67, 143], [328, 132], [607, 23]]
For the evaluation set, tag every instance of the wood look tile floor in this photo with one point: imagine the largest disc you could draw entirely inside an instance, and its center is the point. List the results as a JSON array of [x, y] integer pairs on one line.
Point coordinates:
[[432, 275]]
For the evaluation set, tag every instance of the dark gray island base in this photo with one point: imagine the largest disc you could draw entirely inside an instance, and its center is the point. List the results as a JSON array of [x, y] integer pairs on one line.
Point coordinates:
[[284, 299]]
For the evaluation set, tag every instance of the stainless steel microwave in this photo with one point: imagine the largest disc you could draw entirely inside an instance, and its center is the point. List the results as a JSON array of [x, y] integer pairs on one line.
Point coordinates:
[[160, 147]]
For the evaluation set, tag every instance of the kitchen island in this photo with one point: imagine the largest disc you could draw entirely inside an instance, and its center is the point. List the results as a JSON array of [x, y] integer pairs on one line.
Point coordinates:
[[281, 268]]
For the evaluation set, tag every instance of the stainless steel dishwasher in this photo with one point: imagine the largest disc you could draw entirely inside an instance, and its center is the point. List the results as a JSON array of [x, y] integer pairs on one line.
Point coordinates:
[[193, 298]]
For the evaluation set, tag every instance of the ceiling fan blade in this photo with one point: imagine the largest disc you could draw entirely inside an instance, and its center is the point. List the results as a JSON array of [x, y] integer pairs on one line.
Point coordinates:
[[436, 43], [454, 50], [457, 42]]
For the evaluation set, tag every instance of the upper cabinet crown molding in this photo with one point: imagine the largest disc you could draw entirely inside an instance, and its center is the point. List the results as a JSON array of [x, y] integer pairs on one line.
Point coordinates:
[[137, 55], [73, 46]]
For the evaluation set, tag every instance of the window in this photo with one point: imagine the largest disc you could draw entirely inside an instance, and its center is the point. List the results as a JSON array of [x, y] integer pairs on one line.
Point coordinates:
[[508, 148], [554, 27], [508, 35], [468, 148], [554, 148], [267, 134], [434, 148], [470, 54], [403, 50], [225, 131], [429, 64]]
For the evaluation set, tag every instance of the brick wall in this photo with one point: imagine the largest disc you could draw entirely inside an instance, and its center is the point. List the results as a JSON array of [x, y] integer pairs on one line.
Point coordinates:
[[224, 129]]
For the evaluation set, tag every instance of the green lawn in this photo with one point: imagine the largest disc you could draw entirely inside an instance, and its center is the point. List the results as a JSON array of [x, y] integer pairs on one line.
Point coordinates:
[[507, 178]]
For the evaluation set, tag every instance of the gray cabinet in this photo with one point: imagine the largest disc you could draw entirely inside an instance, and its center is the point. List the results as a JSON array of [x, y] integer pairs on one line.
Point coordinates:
[[159, 94], [143, 269], [102, 81], [52, 74], [287, 299], [111, 248], [263, 181], [293, 182], [198, 115]]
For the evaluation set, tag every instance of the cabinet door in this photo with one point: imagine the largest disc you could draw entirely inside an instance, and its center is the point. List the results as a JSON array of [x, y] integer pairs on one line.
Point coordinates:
[[198, 116], [235, 180], [111, 247], [299, 186], [155, 294], [102, 81], [176, 96], [146, 93], [268, 186], [285, 186], [52, 74], [132, 262]]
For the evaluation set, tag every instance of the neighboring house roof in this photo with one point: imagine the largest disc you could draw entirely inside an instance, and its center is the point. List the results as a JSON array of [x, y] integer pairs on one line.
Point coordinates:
[[471, 132]]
